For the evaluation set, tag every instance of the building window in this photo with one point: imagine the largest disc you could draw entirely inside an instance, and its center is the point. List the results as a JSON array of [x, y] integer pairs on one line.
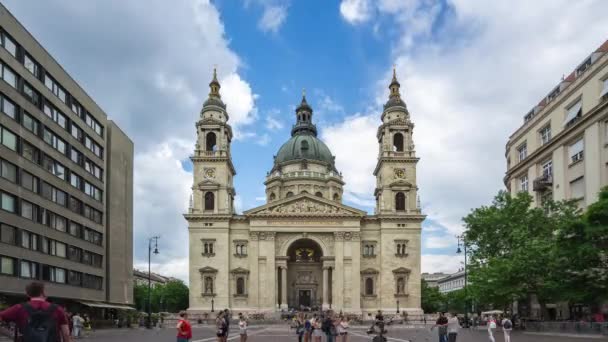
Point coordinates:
[[76, 180], [93, 169], [30, 123], [53, 194], [75, 229], [548, 168], [545, 134], [576, 151], [369, 249], [74, 253], [29, 240], [401, 248], [398, 142], [336, 197], [369, 287], [94, 124], [31, 94], [8, 76], [9, 44], [9, 139], [75, 205], [31, 65], [208, 281], [319, 194], [92, 282], [8, 202], [400, 285], [53, 274], [210, 142], [76, 156], [523, 183], [55, 114], [29, 269], [58, 248], [92, 191], [75, 278], [8, 234], [573, 112], [93, 146], [8, 171], [76, 132], [208, 247], [240, 248], [54, 88], [400, 201], [92, 214], [289, 194], [29, 210], [53, 140], [522, 151], [30, 152], [8, 107], [53, 167], [209, 201], [604, 91], [577, 188], [240, 286], [7, 265], [272, 197]]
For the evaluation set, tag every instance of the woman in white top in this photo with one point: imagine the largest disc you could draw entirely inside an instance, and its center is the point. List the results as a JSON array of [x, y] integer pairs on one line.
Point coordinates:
[[507, 326], [453, 326], [317, 333], [491, 327], [242, 327], [342, 329]]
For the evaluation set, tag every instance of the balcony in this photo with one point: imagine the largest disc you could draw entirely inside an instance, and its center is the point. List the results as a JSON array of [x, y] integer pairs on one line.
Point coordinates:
[[542, 183]]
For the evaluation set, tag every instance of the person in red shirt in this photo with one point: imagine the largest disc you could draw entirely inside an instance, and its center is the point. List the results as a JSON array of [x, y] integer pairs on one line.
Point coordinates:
[[184, 329], [19, 314]]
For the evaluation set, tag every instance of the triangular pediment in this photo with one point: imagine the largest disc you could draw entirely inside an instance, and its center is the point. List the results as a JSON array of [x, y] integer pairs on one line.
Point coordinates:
[[207, 269], [239, 270], [305, 205], [401, 183], [208, 121], [207, 183], [402, 270]]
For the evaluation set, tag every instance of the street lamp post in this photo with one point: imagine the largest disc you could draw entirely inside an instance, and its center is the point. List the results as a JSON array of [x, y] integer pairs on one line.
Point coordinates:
[[212, 305], [397, 306], [461, 241], [155, 239]]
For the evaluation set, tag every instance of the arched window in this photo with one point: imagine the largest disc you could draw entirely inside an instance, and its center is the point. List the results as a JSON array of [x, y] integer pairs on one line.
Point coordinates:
[[398, 142], [371, 250], [272, 196], [289, 194], [369, 286], [400, 285], [209, 201], [366, 250], [210, 142], [240, 286], [336, 197], [208, 285], [400, 201], [319, 194], [304, 192]]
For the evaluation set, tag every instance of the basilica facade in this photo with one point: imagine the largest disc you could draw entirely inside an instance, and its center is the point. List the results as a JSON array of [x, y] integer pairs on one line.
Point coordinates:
[[304, 248]]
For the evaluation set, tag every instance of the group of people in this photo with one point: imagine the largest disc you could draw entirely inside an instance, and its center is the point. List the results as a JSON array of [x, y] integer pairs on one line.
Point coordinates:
[[78, 324], [448, 327], [329, 324]]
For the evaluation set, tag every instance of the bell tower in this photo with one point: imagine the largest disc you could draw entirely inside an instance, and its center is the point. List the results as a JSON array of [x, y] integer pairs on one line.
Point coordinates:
[[396, 190], [213, 191]]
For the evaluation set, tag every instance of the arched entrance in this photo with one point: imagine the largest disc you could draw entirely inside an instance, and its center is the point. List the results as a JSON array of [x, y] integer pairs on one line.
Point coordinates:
[[304, 275]]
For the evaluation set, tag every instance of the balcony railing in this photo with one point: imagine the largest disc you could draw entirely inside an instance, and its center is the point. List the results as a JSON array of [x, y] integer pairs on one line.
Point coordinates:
[[543, 183]]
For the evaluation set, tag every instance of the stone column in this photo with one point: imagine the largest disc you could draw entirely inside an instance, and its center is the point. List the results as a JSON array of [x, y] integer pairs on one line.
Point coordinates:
[[284, 287], [355, 290], [325, 305]]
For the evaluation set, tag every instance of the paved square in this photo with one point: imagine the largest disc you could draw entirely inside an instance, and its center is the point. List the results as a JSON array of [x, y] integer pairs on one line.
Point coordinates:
[[282, 333]]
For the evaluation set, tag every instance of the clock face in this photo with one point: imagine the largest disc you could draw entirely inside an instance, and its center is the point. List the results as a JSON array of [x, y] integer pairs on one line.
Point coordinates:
[[399, 173], [210, 173]]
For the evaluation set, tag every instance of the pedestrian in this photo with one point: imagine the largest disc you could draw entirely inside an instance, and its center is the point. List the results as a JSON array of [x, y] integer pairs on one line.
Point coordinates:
[[78, 323], [300, 326], [317, 333], [442, 327], [220, 326], [507, 326], [328, 327], [453, 327], [37, 319], [227, 317], [342, 328], [242, 327], [184, 329], [307, 329], [491, 327]]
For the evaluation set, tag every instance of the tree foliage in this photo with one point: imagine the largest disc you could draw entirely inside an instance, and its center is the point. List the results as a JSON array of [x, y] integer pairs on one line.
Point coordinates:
[[432, 299], [170, 297]]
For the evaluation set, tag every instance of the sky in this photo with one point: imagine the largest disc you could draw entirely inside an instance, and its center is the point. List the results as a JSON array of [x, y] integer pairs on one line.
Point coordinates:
[[469, 71]]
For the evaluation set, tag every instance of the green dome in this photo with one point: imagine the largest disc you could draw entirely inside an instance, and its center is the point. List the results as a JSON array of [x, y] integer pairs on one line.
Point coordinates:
[[304, 146]]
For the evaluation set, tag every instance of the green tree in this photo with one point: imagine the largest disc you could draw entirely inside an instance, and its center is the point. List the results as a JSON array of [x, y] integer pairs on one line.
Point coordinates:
[[432, 299], [514, 249], [171, 297]]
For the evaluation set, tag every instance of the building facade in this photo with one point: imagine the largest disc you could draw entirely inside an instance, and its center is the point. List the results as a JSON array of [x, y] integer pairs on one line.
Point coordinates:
[[452, 282], [141, 278], [432, 278], [66, 182], [561, 150], [304, 248]]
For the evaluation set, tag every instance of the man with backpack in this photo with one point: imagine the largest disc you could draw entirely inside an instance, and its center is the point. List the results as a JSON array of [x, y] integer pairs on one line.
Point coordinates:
[[507, 326], [37, 320]]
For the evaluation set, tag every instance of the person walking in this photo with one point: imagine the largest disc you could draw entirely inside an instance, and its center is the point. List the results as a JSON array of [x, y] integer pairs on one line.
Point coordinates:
[[220, 326], [227, 317], [328, 327], [507, 326], [242, 327], [442, 327], [78, 323], [317, 333], [342, 328], [300, 326], [453, 327], [184, 329], [491, 327], [37, 319], [307, 329]]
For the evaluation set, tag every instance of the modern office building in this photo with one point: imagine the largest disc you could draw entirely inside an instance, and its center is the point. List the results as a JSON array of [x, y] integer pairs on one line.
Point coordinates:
[[561, 150], [66, 182]]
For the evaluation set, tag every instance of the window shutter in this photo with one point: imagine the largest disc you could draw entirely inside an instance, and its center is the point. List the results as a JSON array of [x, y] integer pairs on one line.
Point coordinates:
[[577, 188], [573, 112], [576, 148]]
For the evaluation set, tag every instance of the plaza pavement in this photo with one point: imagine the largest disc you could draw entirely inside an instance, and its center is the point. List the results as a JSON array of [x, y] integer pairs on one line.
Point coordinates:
[[282, 333]]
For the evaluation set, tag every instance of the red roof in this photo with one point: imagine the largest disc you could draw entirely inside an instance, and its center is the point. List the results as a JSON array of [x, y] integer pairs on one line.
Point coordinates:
[[603, 48]]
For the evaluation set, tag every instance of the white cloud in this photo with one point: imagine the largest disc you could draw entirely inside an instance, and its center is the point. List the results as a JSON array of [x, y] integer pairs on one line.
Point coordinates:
[[239, 99], [356, 11], [272, 19], [176, 268], [272, 124], [439, 241], [432, 263], [327, 104]]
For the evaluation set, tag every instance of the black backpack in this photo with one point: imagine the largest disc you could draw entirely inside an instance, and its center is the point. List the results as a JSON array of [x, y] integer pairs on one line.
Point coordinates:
[[508, 324], [41, 325]]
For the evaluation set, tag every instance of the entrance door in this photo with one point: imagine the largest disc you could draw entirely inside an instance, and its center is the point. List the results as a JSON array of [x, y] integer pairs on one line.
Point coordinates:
[[304, 298]]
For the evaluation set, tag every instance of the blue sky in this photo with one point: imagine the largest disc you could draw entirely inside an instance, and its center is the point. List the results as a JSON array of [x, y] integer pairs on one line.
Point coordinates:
[[469, 72]]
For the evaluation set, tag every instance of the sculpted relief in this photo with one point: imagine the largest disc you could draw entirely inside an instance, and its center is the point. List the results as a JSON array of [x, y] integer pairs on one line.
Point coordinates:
[[306, 207]]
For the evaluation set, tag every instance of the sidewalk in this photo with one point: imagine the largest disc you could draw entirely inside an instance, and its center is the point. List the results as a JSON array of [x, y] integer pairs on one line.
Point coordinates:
[[556, 334]]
